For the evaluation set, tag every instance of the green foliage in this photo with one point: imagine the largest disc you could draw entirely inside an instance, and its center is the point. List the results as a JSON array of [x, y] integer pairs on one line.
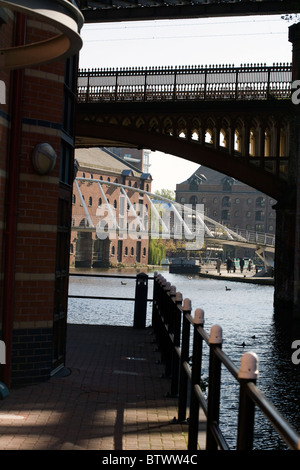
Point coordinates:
[[167, 193], [157, 252]]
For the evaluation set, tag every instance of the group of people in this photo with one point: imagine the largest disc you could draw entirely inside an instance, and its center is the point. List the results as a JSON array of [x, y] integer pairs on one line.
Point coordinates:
[[231, 266]]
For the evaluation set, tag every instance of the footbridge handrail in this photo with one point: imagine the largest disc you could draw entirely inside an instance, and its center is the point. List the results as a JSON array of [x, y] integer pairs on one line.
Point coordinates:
[[212, 228], [223, 82]]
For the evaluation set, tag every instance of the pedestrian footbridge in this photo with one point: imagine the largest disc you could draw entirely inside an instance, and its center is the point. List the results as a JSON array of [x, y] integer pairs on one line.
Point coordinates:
[[159, 217]]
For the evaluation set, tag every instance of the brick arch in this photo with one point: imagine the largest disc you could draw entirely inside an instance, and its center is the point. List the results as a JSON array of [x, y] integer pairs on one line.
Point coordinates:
[[154, 138]]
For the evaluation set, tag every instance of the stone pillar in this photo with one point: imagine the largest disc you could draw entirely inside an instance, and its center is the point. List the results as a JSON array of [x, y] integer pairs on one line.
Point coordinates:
[[294, 37], [287, 257]]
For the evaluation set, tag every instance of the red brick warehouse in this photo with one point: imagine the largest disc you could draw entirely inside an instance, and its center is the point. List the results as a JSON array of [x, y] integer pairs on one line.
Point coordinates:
[[38, 78], [109, 223]]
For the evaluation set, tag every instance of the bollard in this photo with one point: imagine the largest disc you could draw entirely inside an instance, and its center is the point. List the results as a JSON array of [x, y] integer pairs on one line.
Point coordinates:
[[184, 358], [169, 330], [140, 306], [177, 330], [248, 372], [196, 377], [214, 387]]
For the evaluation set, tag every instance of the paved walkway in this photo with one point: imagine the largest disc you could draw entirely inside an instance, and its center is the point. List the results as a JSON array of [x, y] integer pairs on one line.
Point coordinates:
[[237, 276], [110, 396]]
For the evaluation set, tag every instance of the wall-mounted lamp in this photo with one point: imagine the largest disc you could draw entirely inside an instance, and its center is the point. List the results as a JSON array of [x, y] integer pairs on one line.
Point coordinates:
[[44, 158]]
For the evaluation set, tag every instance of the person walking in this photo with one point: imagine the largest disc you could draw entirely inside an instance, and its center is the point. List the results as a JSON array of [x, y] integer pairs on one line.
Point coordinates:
[[242, 262], [218, 265], [229, 264]]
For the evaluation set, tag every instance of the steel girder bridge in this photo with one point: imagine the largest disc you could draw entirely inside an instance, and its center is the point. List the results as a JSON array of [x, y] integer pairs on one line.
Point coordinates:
[[101, 11], [165, 219]]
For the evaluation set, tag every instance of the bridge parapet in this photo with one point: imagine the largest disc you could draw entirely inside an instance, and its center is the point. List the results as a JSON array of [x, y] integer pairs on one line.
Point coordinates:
[[224, 82]]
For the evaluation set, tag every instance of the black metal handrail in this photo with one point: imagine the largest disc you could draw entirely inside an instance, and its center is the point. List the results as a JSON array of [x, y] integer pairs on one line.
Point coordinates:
[[172, 323], [224, 82], [140, 299]]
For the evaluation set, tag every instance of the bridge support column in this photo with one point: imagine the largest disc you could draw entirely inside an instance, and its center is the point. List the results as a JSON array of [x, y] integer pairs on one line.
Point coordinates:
[[287, 257], [285, 267]]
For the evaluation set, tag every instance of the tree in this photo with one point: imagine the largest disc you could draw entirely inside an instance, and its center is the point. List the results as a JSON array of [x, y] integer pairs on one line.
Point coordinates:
[[157, 252], [167, 193]]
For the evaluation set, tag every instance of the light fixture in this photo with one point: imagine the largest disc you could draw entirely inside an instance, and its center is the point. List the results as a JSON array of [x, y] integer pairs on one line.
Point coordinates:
[[44, 158]]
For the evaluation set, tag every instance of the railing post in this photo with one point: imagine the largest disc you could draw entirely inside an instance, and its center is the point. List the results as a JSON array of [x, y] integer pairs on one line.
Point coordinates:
[[88, 87], [155, 303], [164, 316], [170, 331], [214, 387], [145, 86], [160, 305], [196, 377], [116, 86], [140, 306], [174, 85], [176, 345], [248, 372], [183, 379]]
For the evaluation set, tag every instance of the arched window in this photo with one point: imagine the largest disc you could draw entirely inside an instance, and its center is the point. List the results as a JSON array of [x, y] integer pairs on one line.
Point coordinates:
[[225, 214], [90, 201], [260, 202], [226, 201], [267, 143]]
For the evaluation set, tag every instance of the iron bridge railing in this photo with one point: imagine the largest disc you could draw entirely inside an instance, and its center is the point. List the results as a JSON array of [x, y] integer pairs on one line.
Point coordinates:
[[224, 82]]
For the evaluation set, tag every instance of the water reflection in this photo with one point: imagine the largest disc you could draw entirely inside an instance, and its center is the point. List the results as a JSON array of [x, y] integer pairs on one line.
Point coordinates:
[[246, 316]]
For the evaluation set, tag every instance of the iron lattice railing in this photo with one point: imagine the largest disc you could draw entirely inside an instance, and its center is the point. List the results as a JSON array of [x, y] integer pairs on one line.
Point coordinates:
[[224, 82]]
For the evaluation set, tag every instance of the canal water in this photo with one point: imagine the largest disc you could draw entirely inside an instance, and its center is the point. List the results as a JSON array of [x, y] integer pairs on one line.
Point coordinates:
[[246, 315]]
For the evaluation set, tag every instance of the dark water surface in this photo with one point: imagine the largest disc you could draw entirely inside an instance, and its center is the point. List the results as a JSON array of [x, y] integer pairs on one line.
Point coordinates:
[[245, 314]]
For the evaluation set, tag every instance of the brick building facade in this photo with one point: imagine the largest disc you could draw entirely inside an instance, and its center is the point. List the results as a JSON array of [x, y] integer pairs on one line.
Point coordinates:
[[229, 202], [38, 79], [109, 236]]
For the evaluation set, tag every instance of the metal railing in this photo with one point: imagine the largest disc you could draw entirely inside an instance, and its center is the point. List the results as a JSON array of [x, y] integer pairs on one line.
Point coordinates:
[[172, 323], [140, 298], [222, 82]]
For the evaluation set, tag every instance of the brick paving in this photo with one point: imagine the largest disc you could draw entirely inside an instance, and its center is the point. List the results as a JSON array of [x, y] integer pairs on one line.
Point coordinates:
[[110, 396]]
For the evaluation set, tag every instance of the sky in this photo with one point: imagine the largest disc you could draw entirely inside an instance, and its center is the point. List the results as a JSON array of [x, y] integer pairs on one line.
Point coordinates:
[[203, 41]]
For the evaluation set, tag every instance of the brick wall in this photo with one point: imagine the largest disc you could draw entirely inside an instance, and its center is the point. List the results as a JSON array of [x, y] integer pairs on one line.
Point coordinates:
[[113, 252], [36, 215]]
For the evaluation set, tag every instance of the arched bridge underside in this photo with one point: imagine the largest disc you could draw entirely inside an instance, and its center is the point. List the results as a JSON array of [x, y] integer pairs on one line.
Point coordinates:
[[158, 126], [238, 126]]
